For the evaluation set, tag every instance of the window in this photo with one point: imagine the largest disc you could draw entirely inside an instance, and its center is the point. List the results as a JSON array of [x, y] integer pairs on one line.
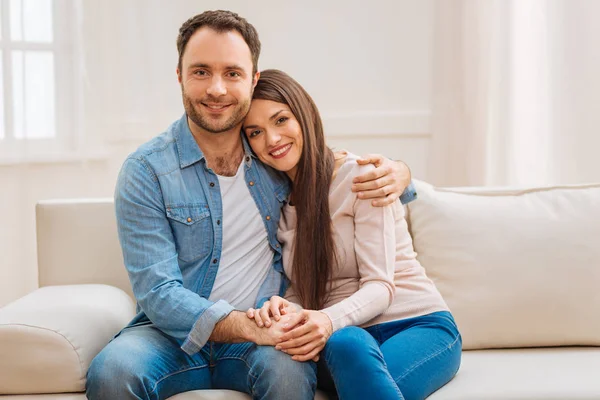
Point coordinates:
[[37, 77]]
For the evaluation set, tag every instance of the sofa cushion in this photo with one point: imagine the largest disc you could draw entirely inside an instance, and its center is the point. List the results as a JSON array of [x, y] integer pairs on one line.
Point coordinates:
[[526, 374], [517, 268], [49, 337]]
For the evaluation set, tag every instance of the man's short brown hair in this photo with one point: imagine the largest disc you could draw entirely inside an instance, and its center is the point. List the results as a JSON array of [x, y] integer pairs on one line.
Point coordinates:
[[220, 21]]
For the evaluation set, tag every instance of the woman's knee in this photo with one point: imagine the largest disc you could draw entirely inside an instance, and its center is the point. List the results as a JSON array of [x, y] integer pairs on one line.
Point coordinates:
[[347, 340]]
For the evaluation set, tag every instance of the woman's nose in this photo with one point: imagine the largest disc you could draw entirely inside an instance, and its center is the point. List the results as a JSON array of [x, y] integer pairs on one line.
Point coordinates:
[[273, 138]]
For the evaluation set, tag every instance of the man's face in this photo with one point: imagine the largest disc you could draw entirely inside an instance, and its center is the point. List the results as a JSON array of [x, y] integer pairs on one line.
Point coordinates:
[[216, 79]]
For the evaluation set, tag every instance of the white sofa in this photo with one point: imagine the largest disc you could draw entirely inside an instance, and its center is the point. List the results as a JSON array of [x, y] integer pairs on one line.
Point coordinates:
[[520, 270]]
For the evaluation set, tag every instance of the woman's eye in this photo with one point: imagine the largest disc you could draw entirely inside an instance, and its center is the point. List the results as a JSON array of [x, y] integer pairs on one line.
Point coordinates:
[[254, 133], [281, 120]]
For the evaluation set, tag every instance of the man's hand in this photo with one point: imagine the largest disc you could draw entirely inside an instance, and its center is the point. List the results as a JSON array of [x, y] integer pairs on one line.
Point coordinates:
[[238, 328], [385, 183]]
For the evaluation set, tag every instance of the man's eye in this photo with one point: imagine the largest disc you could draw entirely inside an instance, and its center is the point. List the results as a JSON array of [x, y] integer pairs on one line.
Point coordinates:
[[234, 74], [200, 72]]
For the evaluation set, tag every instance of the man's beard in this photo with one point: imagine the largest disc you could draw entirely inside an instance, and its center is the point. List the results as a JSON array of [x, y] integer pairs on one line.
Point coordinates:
[[215, 125]]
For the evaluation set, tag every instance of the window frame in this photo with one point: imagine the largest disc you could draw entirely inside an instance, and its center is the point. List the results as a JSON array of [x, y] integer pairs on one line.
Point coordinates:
[[65, 47]]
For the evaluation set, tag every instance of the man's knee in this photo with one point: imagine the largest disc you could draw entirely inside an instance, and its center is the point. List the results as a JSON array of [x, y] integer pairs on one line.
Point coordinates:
[[113, 374], [277, 371]]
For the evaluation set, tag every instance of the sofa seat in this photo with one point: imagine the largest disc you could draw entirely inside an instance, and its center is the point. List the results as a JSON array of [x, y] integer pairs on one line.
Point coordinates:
[[559, 373]]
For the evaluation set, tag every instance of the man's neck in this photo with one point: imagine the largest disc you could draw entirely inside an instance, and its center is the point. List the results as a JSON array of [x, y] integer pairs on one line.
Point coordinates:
[[223, 151]]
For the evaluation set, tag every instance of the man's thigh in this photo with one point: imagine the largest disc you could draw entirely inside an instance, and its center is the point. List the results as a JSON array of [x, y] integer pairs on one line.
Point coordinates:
[[143, 362], [262, 370]]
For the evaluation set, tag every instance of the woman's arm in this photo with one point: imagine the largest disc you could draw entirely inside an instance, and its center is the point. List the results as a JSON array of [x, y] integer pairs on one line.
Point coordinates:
[[375, 249]]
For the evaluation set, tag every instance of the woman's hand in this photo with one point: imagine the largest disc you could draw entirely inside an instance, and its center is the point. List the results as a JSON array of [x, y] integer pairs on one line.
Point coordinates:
[[385, 183], [274, 308], [306, 340]]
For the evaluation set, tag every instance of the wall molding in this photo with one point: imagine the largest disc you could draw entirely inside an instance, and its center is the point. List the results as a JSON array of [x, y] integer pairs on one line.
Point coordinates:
[[359, 124], [411, 123]]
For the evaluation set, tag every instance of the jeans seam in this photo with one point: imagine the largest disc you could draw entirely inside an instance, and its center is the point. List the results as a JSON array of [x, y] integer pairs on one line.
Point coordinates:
[[175, 373], [254, 377], [242, 360], [450, 346]]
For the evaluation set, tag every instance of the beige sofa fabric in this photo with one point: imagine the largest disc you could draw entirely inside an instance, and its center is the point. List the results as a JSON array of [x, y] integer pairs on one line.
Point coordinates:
[[193, 395], [50, 336], [526, 374], [78, 243], [517, 268]]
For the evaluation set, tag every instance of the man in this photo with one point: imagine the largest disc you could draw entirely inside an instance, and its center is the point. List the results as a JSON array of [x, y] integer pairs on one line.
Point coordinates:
[[197, 217]]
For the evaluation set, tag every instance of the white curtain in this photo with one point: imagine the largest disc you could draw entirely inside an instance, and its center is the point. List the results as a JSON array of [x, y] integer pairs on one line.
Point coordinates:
[[515, 92]]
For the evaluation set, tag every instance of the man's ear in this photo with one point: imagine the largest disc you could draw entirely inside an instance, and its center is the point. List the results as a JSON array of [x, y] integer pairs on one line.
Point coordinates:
[[255, 79], [178, 74]]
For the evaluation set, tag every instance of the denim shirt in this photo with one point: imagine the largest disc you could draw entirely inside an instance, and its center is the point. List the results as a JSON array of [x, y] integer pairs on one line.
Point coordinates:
[[169, 213]]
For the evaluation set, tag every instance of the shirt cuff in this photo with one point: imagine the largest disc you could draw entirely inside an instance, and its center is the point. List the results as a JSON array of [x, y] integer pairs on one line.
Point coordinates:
[[204, 326], [409, 194]]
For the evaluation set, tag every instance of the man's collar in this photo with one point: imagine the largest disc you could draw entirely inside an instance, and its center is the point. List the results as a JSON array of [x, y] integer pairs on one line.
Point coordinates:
[[188, 149]]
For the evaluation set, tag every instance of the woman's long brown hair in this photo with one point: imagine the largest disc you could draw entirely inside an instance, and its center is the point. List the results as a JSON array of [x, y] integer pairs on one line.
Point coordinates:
[[314, 247]]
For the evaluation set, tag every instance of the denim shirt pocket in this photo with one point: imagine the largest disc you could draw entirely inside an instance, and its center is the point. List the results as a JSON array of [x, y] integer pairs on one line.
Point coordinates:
[[192, 228]]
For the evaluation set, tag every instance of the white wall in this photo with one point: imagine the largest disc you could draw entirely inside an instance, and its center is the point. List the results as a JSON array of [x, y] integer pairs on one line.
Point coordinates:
[[367, 65], [575, 98]]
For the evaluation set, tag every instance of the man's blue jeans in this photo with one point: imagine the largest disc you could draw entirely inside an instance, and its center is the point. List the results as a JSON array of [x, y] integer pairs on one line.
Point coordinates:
[[407, 359], [144, 363]]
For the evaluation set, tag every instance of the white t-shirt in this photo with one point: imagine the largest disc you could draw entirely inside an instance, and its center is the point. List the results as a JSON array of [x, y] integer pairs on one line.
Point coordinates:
[[246, 255]]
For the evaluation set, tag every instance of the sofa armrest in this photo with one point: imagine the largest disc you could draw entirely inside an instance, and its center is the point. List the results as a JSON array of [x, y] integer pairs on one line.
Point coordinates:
[[49, 337]]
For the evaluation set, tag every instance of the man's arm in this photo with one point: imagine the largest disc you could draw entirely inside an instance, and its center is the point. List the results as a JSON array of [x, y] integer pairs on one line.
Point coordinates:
[[150, 257], [237, 328], [388, 181]]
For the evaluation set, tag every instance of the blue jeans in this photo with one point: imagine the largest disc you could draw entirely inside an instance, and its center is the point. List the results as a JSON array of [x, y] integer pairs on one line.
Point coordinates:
[[406, 359], [144, 363]]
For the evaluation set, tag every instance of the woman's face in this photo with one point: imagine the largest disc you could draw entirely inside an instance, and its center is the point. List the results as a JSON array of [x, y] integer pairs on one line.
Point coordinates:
[[275, 135]]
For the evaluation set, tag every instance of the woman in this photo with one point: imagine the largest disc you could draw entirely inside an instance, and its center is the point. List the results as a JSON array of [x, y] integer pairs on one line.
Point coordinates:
[[370, 313]]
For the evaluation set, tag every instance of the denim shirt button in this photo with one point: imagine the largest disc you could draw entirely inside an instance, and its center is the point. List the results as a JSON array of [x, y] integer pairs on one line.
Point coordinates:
[[251, 183], [218, 222], [277, 245], [215, 261], [189, 219], [247, 159], [212, 184], [268, 217]]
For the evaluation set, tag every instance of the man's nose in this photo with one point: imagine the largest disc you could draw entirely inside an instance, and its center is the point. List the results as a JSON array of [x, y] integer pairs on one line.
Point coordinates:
[[217, 87]]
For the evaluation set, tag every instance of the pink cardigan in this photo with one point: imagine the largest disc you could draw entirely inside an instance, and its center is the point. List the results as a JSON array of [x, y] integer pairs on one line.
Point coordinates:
[[378, 278]]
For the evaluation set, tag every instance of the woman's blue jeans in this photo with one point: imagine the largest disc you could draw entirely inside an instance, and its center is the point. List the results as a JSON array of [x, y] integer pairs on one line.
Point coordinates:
[[144, 363], [407, 359]]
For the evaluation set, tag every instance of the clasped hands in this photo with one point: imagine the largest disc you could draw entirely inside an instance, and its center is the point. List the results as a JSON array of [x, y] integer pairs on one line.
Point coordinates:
[[298, 332]]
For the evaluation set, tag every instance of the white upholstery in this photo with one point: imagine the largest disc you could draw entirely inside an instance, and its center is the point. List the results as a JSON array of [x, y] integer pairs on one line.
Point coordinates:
[[76, 233], [517, 268], [562, 373], [49, 337], [195, 395]]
